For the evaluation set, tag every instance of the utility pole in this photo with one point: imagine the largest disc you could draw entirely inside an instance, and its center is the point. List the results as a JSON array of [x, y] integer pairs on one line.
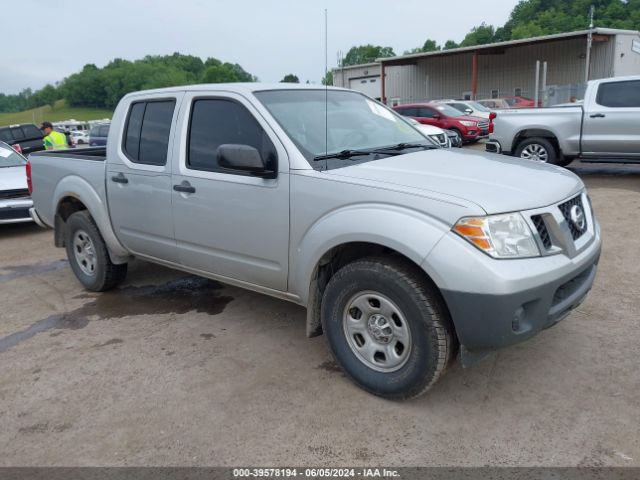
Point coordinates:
[[589, 44]]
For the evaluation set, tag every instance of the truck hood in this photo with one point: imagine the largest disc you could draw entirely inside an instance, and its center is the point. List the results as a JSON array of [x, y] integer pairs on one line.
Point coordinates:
[[13, 178], [496, 183]]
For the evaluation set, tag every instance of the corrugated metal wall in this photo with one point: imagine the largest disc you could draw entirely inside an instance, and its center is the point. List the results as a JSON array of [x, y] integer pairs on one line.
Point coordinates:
[[450, 76], [626, 60]]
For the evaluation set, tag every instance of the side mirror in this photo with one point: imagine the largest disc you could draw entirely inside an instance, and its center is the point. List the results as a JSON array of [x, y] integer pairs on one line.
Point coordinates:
[[243, 158], [468, 111], [437, 116]]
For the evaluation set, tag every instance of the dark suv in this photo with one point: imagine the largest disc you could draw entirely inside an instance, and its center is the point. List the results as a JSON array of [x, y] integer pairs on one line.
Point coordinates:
[[98, 135], [26, 135], [443, 116]]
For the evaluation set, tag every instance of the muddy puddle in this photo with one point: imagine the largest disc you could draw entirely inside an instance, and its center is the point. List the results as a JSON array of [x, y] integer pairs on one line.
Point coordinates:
[[190, 294]]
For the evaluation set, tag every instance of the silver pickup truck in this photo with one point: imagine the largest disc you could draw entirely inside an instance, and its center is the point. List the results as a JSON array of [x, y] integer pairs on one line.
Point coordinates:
[[604, 128], [402, 252]]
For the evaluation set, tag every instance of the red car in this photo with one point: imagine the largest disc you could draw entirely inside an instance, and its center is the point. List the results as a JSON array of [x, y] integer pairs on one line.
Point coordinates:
[[470, 129]]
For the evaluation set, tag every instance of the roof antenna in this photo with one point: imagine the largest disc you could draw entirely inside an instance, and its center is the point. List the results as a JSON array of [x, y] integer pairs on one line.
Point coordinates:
[[326, 92]]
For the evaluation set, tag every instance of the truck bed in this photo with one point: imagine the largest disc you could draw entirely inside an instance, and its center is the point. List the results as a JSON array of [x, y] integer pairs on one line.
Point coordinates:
[[72, 170]]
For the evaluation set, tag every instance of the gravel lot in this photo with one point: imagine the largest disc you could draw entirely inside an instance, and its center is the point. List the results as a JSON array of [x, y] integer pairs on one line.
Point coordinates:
[[175, 370]]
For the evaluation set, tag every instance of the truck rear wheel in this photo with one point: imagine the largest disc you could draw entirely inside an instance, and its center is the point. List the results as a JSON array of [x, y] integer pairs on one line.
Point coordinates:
[[386, 327], [88, 255], [538, 149]]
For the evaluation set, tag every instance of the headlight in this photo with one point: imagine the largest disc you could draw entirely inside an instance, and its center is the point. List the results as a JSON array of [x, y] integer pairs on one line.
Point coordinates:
[[501, 236], [466, 123], [434, 138]]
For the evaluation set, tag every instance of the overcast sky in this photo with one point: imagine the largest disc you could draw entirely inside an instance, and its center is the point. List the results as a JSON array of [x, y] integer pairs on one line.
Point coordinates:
[[46, 41]]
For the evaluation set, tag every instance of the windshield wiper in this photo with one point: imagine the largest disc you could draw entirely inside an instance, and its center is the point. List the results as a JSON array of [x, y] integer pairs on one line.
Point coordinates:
[[343, 155], [404, 146], [391, 150]]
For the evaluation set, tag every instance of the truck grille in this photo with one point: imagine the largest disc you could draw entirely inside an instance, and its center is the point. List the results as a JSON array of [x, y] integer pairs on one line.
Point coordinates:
[[565, 208], [541, 227], [9, 194]]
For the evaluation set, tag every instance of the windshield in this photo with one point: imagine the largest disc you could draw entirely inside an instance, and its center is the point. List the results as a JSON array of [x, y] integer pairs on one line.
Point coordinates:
[[449, 111], [354, 122], [9, 158], [479, 107]]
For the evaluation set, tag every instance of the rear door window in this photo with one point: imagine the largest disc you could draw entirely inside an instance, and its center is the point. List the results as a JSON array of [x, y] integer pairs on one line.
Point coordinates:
[[31, 131], [5, 135], [146, 138], [17, 133], [619, 94], [408, 112], [426, 113]]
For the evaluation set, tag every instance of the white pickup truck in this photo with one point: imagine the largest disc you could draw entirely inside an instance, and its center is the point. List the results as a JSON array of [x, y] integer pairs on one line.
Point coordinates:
[[402, 252], [604, 128]]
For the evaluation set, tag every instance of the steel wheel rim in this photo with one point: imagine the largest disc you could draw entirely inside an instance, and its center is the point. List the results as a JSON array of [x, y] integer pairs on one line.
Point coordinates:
[[535, 152], [377, 331], [84, 252]]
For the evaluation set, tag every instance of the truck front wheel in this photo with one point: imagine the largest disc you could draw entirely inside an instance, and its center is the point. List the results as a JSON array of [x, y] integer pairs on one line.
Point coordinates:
[[88, 255], [538, 149], [386, 327]]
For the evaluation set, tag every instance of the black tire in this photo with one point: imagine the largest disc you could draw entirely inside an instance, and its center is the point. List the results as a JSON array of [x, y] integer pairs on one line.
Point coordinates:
[[104, 274], [540, 144], [461, 141], [431, 344]]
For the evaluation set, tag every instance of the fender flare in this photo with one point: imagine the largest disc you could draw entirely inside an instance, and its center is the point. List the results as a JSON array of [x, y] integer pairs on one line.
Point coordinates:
[[78, 188], [414, 236]]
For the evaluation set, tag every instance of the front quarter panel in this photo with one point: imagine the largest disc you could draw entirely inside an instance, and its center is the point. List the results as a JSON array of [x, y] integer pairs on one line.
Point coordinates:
[[357, 213]]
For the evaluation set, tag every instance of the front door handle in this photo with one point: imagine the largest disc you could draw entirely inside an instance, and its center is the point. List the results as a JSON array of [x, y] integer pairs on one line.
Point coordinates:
[[120, 178], [184, 188], [598, 115]]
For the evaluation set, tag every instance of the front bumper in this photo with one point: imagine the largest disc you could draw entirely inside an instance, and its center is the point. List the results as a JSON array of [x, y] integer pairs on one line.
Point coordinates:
[[15, 211], [497, 303]]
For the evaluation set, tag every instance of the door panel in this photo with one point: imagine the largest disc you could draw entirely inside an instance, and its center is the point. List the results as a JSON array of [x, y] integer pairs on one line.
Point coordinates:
[[139, 184], [230, 224], [141, 211], [238, 229], [611, 121]]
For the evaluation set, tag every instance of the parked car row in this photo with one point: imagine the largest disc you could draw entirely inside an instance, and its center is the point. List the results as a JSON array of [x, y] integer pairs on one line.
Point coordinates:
[[27, 137], [467, 128]]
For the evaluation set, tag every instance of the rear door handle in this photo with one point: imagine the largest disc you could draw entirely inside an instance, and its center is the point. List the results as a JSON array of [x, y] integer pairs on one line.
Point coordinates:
[[120, 178], [598, 115], [184, 188]]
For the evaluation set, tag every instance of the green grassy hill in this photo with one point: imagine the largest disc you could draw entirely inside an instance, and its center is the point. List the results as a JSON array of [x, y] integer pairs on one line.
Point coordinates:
[[59, 112]]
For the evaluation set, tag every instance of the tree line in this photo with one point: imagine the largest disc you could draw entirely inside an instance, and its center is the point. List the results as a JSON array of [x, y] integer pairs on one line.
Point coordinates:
[[104, 87]]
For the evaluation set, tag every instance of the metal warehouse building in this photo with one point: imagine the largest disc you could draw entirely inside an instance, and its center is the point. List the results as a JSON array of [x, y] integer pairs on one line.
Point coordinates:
[[500, 69]]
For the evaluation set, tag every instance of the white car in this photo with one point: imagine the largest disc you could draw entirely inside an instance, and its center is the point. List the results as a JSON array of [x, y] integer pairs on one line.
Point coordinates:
[[468, 107], [436, 134], [80, 137], [15, 200]]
